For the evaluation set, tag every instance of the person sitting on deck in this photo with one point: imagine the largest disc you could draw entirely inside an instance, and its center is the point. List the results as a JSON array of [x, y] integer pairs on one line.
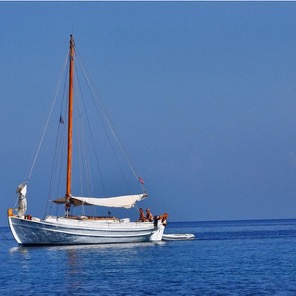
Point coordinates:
[[149, 215], [142, 216]]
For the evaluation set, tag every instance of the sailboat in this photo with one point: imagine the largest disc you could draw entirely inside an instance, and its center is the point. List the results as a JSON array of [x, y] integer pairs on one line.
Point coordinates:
[[70, 229]]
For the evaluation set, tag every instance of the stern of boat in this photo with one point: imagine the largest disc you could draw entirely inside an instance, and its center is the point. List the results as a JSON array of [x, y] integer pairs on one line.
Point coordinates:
[[160, 223], [157, 235]]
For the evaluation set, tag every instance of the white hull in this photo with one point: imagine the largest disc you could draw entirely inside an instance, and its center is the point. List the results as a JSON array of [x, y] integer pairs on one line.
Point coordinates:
[[63, 231], [178, 236], [71, 230]]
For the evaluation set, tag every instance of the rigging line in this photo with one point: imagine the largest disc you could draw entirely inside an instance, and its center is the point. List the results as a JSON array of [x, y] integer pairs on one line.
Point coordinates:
[[91, 133], [54, 183], [64, 135], [108, 120], [63, 152], [77, 113], [82, 135], [59, 165], [53, 170], [82, 144], [113, 150], [93, 145], [29, 173], [59, 139], [80, 166], [99, 109]]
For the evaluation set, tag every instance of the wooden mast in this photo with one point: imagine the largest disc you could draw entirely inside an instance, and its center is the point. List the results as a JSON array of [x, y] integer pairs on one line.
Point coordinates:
[[70, 126]]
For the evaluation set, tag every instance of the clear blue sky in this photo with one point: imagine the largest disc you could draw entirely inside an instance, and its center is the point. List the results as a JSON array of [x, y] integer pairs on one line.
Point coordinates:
[[204, 94]]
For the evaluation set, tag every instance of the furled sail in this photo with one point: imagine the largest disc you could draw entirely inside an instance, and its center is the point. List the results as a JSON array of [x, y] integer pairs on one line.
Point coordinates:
[[22, 201], [126, 201]]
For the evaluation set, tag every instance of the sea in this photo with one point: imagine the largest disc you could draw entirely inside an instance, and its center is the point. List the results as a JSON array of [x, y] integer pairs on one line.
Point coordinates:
[[225, 258]]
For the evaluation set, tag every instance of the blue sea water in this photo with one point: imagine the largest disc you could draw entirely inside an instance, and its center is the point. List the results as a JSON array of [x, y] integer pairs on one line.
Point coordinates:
[[226, 258]]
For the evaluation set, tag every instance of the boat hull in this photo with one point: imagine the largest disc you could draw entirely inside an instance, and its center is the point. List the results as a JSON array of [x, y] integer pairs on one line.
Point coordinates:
[[178, 236], [62, 231]]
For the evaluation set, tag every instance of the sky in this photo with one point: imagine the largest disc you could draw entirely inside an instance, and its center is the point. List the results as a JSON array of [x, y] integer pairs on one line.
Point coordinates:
[[203, 95]]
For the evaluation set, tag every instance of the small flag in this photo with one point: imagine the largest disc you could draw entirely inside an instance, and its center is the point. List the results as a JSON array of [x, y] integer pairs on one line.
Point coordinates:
[[141, 180], [61, 120]]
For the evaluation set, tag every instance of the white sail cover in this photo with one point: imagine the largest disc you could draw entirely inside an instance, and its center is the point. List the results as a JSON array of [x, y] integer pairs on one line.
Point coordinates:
[[126, 201], [22, 201]]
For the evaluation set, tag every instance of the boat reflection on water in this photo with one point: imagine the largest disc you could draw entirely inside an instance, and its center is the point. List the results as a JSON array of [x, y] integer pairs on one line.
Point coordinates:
[[93, 248]]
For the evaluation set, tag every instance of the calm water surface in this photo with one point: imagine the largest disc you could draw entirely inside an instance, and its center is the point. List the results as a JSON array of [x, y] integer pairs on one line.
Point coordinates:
[[226, 258]]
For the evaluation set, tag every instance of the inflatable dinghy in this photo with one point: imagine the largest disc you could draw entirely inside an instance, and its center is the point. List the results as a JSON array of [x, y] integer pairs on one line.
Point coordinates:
[[177, 236]]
